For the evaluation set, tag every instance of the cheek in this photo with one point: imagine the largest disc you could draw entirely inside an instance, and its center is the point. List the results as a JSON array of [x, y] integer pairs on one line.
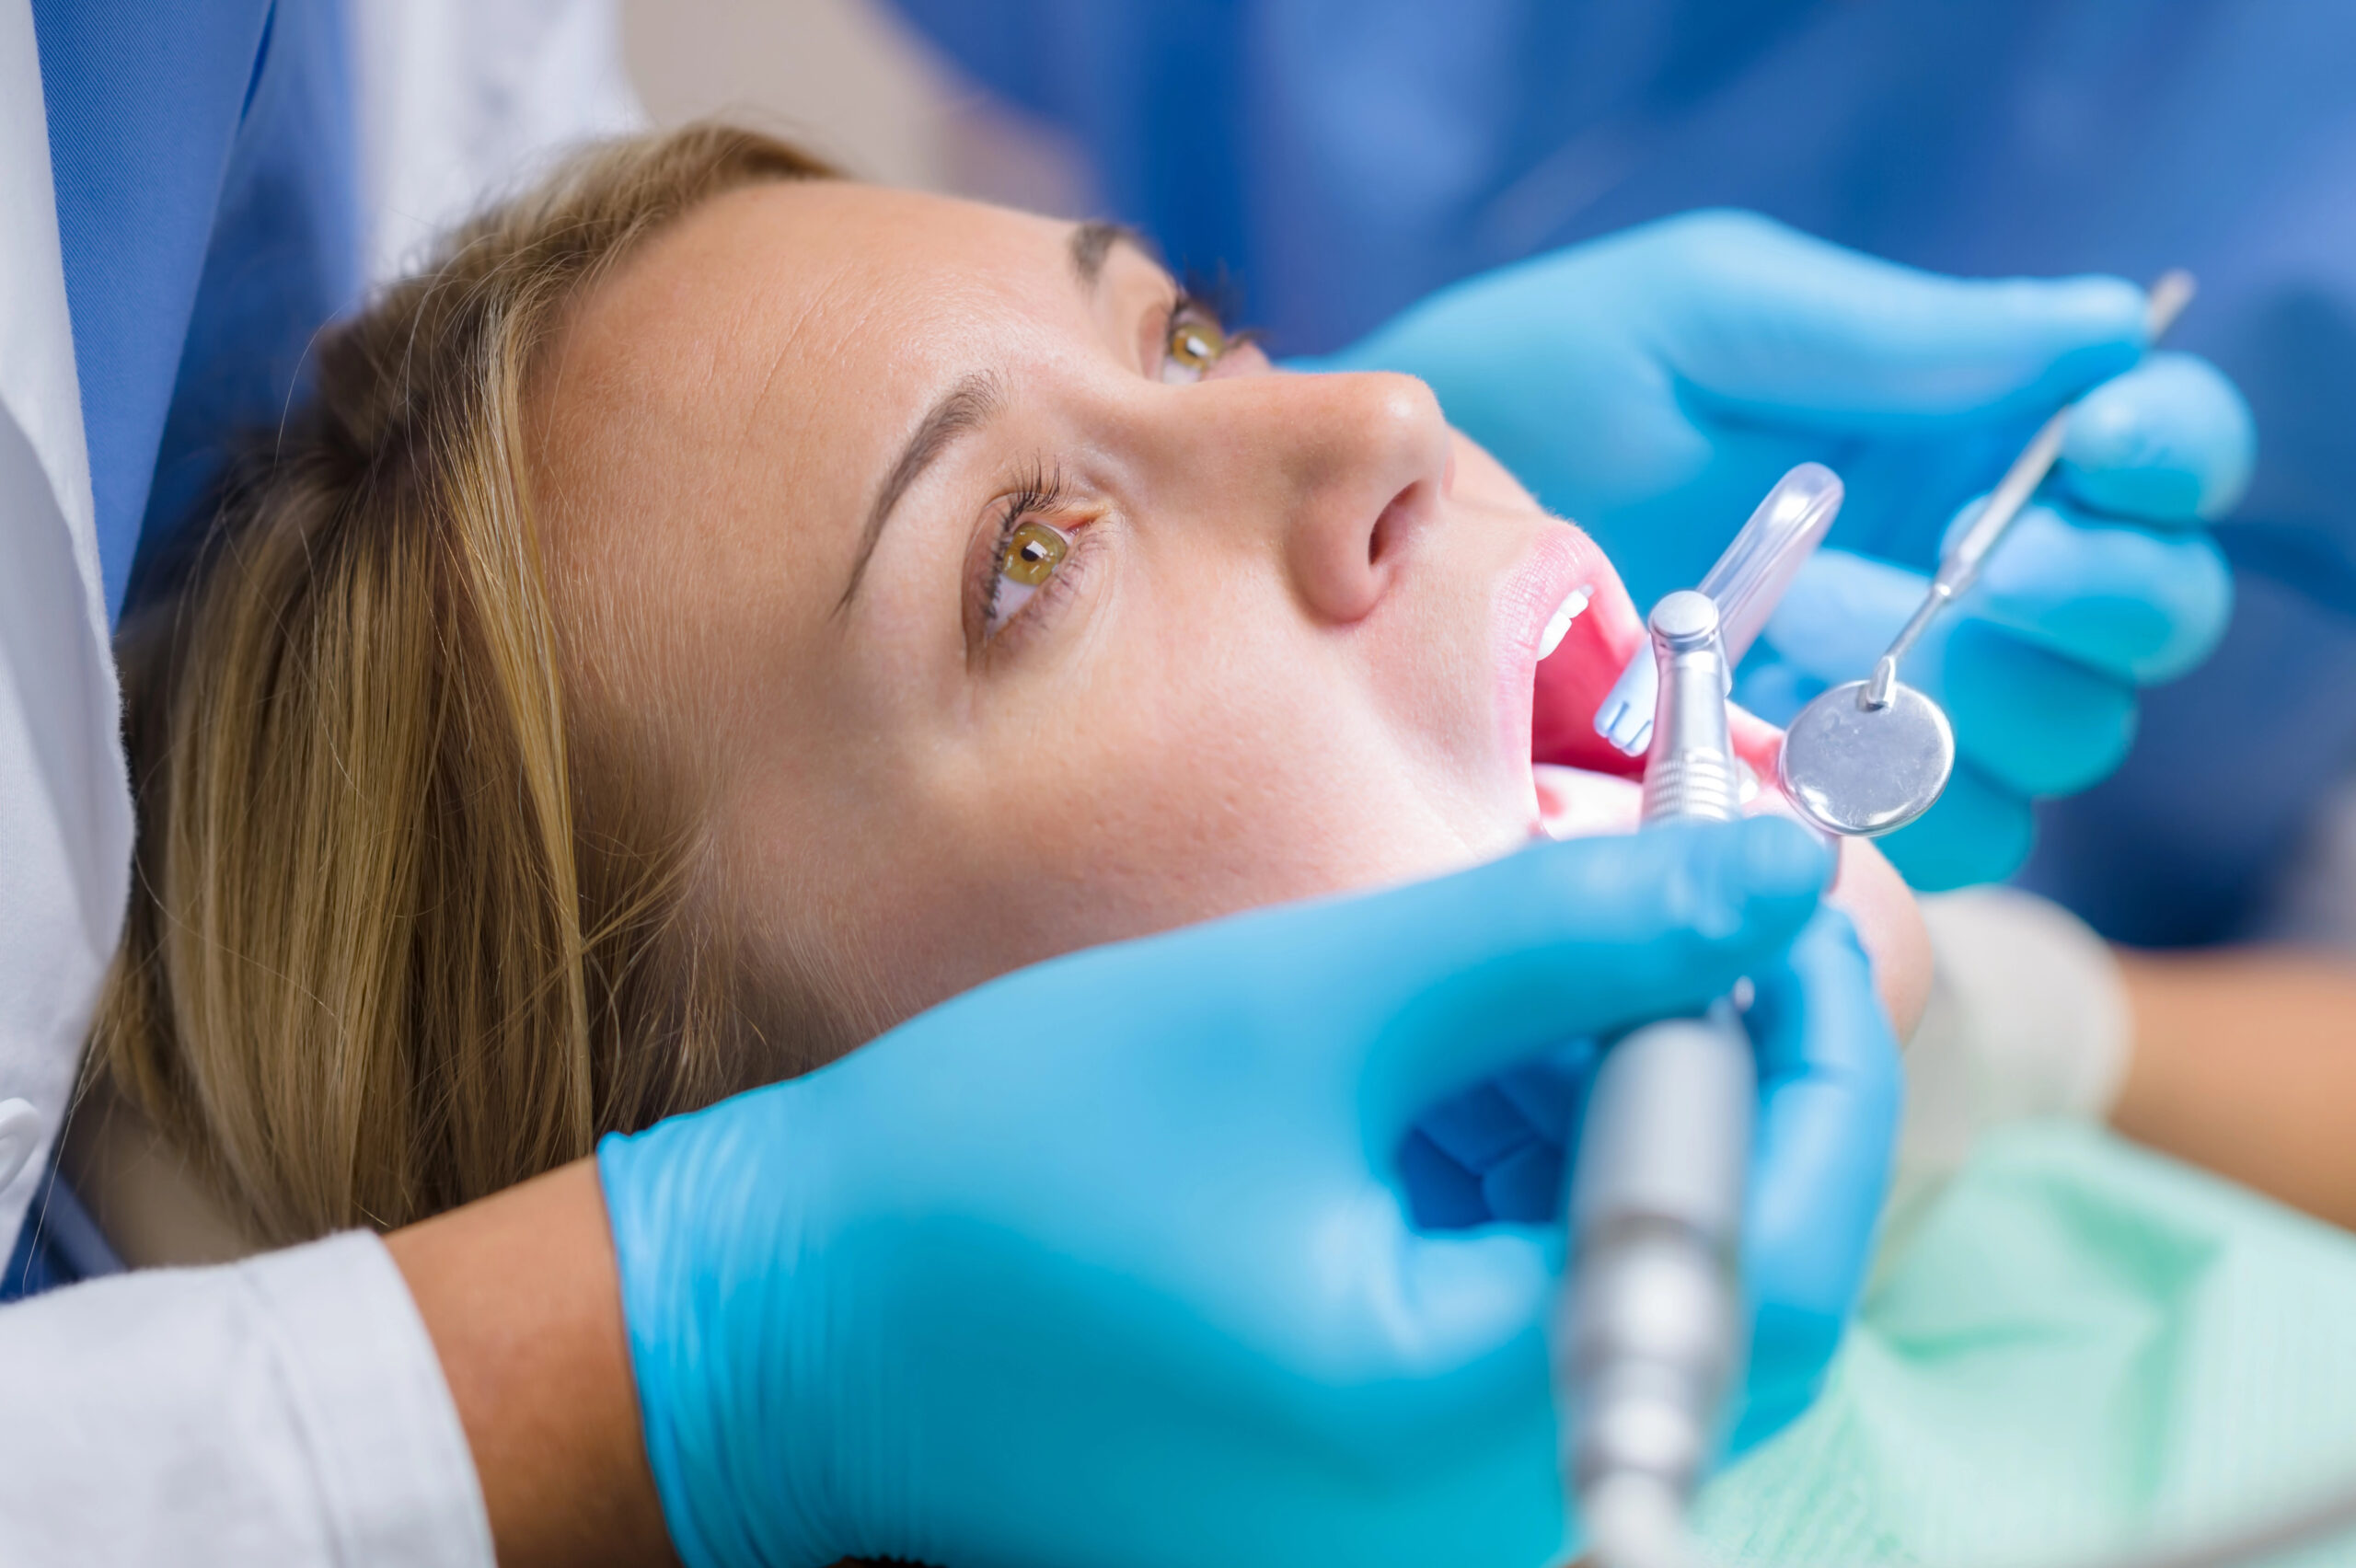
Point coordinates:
[[1177, 790], [1890, 924], [1162, 812], [1483, 480], [1867, 889]]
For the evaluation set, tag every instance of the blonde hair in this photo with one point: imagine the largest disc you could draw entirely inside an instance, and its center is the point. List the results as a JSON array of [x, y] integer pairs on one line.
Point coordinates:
[[406, 928]]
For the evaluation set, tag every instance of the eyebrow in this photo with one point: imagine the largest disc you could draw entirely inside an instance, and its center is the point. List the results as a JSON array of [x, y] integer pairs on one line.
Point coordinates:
[[1093, 241], [965, 408], [972, 403]]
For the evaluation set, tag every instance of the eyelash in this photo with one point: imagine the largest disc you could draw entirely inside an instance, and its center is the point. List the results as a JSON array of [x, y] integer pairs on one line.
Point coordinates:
[[1215, 294], [1042, 494], [1194, 303]]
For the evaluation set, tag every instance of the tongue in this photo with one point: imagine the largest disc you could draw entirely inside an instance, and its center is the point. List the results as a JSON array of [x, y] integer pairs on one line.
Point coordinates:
[[1573, 682]]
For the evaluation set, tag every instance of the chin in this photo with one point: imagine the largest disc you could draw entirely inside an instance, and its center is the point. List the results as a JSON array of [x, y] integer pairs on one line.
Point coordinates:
[[1581, 802]]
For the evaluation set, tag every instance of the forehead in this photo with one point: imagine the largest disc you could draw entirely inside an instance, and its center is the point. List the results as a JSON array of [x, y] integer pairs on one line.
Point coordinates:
[[763, 359], [714, 417], [810, 306]]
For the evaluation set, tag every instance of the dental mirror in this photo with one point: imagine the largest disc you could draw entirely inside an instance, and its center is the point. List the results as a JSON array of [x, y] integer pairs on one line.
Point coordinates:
[[1870, 756], [1860, 767]]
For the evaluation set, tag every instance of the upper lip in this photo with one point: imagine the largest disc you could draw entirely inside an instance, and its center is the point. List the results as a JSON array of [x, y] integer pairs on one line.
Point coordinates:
[[1546, 713]]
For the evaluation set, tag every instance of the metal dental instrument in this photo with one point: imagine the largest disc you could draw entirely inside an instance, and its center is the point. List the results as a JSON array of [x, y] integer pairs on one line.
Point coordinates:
[[1869, 757], [1649, 1334], [1747, 582]]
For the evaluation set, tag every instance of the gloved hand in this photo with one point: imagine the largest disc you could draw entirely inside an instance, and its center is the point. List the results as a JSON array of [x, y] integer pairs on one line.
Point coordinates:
[[1653, 385], [1821, 1167], [1105, 1262]]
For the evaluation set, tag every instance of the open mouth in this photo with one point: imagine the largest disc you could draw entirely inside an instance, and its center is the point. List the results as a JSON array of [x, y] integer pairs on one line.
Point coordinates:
[[1573, 676], [1570, 629]]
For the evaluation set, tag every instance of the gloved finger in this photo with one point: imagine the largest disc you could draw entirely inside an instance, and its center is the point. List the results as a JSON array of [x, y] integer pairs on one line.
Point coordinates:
[[2136, 604], [1478, 1128], [1467, 1405], [1550, 1091], [1439, 986], [1453, 1151], [1495, 1151], [2032, 723], [1978, 831], [1841, 611], [1791, 330], [1442, 1192], [1829, 1094], [2037, 666], [1473, 1293], [1773, 688], [2169, 441]]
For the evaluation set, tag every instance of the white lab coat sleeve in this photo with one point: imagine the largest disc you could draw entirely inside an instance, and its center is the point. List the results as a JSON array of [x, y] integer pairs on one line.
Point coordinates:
[[2029, 1018], [287, 1410], [64, 800]]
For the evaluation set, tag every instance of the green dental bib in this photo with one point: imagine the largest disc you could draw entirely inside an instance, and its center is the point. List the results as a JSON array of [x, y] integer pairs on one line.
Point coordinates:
[[2075, 1344]]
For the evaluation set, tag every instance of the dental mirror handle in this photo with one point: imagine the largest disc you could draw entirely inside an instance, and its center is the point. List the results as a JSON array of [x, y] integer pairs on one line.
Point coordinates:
[[1959, 567], [1650, 1332]]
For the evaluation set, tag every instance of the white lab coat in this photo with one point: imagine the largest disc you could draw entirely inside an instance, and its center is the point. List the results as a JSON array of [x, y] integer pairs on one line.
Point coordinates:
[[290, 1409]]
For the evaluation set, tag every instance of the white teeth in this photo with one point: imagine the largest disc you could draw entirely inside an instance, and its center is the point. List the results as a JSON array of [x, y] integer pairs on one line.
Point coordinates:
[[1569, 611]]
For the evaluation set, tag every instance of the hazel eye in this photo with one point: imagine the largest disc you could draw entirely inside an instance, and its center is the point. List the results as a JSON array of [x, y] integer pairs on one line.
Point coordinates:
[[1028, 559], [1196, 343]]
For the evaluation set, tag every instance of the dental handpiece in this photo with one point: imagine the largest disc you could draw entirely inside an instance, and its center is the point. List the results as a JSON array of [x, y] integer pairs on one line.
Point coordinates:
[[1649, 1333], [1746, 583]]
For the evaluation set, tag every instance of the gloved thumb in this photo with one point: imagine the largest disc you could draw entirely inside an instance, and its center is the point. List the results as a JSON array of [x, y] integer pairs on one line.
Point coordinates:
[[1456, 980], [1795, 331]]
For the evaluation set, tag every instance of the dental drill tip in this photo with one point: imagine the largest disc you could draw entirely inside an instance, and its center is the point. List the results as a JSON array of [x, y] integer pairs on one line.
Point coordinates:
[[1686, 618]]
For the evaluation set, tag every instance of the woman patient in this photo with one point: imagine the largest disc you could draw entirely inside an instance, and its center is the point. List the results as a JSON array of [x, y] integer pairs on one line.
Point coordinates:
[[718, 610]]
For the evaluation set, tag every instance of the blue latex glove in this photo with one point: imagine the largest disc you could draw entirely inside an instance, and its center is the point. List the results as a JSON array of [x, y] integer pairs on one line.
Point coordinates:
[[1105, 1264], [1497, 1152], [1653, 385]]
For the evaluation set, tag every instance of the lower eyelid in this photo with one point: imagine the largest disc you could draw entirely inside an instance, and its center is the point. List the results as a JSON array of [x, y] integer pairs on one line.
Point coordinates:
[[1040, 602], [1010, 599]]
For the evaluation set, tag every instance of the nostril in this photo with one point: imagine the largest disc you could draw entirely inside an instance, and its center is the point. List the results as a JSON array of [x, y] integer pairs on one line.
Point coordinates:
[[1391, 527]]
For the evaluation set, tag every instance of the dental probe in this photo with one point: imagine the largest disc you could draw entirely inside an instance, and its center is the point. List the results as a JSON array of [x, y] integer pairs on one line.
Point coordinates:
[[1649, 1334], [1869, 757], [1961, 567]]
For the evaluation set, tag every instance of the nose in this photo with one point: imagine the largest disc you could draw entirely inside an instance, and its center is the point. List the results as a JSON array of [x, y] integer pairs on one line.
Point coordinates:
[[1349, 469]]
